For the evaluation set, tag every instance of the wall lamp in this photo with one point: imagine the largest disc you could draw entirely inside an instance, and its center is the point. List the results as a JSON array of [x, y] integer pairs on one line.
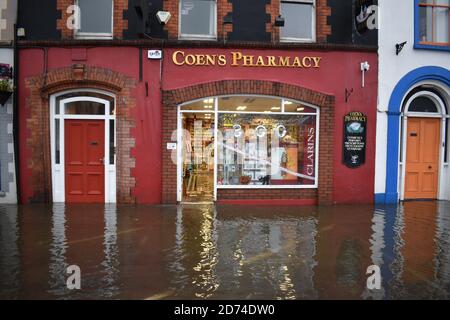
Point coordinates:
[[279, 21]]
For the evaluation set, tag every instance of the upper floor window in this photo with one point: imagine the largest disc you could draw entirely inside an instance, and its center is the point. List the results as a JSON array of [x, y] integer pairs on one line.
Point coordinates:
[[300, 20], [96, 19], [198, 19], [432, 25]]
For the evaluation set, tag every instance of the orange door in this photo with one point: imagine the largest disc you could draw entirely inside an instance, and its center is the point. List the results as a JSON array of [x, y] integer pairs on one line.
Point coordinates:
[[422, 158], [84, 167]]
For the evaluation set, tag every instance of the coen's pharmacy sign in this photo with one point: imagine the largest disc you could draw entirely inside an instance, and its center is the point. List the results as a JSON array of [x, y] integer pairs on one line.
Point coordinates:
[[238, 59]]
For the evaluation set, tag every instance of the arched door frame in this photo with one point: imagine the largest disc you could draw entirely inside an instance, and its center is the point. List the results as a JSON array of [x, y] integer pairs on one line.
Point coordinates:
[[441, 114], [58, 169]]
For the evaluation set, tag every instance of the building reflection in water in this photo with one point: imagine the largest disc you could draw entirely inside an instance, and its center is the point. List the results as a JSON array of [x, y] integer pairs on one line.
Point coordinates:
[[225, 252], [221, 252], [9, 252]]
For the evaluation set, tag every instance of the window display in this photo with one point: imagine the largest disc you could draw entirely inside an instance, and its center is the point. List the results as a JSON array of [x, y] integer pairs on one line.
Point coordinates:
[[260, 142], [260, 149]]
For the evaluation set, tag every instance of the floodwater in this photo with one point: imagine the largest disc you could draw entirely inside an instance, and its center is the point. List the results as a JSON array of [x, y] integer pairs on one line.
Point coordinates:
[[225, 252]]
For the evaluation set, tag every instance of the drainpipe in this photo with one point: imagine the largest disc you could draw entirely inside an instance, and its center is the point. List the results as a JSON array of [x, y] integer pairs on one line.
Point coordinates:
[[16, 110]]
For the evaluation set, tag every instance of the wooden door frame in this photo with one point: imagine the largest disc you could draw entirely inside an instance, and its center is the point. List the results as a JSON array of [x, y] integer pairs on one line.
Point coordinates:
[[58, 169], [441, 114]]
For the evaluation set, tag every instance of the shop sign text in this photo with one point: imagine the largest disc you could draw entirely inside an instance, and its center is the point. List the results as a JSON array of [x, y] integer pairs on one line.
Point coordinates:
[[239, 59]]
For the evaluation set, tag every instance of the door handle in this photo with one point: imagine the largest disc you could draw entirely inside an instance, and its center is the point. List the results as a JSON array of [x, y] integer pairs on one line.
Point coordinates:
[[430, 167], [101, 160]]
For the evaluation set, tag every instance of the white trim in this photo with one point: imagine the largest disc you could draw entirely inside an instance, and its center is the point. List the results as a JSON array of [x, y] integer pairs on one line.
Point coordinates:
[[313, 22], [441, 114], [95, 35], [58, 170], [186, 36], [179, 156]]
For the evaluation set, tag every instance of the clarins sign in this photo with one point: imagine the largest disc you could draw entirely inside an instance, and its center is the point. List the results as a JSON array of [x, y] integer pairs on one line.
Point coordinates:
[[238, 59]]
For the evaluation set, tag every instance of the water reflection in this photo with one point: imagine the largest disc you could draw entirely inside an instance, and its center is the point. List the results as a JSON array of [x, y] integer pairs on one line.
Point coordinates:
[[223, 252]]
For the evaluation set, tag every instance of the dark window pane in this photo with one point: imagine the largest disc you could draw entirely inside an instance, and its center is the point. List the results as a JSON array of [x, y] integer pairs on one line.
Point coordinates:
[[298, 20], [85, 107], [197, 17], [95, 16], [57, 152], [422, 104], [112, 149], [265, 149]]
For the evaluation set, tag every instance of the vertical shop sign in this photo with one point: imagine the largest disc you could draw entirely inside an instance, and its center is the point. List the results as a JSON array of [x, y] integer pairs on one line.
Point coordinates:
[[355, 129]]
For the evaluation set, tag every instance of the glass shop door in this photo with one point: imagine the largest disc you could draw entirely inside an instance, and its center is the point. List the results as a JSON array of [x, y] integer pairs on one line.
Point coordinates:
[[197, 155]]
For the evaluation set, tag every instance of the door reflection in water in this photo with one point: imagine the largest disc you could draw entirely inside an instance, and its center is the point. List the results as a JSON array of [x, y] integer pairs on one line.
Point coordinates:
[[225, 252]]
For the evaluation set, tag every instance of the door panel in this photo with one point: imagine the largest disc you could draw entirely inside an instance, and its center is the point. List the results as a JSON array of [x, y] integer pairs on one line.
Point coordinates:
[[84, 167], [422, 158]]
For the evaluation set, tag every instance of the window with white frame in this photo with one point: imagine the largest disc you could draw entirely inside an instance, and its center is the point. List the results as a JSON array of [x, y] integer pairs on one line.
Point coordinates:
[[433, 22], [96, 19], [262, 142], [198, 19], [300, 17]]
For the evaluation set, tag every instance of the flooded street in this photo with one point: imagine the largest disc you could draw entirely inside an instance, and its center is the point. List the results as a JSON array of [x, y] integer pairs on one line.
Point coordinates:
[[225, 252]]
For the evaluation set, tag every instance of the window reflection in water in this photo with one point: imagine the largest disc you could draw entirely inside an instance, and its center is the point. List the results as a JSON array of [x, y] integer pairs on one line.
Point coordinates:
[[9, 252]]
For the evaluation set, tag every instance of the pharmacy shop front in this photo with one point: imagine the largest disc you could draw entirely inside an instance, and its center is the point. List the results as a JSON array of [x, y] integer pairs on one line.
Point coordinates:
[[261, 127]]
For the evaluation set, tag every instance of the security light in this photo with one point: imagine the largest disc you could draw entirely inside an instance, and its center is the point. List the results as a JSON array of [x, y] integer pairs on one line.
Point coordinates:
[[279, 21], [228, 19]]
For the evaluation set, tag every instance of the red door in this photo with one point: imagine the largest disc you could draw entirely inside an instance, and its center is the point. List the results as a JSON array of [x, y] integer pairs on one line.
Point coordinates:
[[84, 167]]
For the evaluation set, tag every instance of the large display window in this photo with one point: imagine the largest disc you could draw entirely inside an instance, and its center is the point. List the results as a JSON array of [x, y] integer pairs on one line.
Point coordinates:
[[261, 142]]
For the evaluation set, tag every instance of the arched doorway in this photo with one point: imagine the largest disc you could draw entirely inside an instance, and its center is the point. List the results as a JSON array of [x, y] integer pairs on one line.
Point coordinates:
[[83, 143], [424, 136]]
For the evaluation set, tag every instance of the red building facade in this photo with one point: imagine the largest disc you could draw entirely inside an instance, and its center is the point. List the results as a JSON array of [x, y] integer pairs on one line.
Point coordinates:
[[144, 104]]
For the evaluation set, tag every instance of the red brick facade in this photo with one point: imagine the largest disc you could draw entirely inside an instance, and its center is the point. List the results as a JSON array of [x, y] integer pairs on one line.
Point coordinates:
[[119, 24], [172, 98], [37, 109], [323, 29]]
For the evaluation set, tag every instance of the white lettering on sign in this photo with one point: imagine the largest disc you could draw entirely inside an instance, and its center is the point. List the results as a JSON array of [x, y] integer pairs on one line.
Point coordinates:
[[311, 152]]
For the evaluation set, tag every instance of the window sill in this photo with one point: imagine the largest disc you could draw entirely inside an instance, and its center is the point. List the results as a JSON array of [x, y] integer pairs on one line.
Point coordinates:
[[432, 46], [294, 40], [193, 38]]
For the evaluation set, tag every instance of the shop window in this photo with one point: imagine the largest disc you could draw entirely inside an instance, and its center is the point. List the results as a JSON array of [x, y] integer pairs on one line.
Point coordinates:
[[432, 24], [262, 142], [83, 107], [96, 19], [300, 19], [423, 104], [198, 19]]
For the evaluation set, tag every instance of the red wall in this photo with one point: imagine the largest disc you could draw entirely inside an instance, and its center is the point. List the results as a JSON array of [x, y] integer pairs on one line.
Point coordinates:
[[339, 70], [147, 112]]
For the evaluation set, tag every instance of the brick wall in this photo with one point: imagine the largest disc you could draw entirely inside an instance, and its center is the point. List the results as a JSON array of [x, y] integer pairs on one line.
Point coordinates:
[[37, 109], [119, 24], [172, 98], [323, 29]]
